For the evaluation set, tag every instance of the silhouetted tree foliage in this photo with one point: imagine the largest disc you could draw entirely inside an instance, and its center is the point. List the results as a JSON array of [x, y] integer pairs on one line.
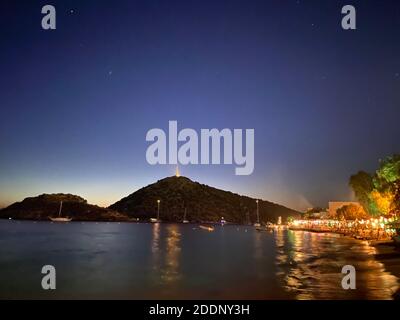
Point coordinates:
[[379, 193], [351, 212]]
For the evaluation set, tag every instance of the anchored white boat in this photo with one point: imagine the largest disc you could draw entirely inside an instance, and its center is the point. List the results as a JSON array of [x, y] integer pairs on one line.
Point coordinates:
[[208, 228], [59, 218], [223, 221]]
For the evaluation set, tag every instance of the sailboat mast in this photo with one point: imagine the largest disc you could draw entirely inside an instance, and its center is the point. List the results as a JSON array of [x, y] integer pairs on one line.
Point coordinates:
[[258, 215], [59, 212]]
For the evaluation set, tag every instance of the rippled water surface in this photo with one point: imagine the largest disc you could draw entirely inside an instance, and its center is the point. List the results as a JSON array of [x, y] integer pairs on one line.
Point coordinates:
[[175, 261]]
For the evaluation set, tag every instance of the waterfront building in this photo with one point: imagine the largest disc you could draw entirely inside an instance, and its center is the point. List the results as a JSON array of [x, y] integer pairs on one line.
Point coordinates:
[[333, 206]]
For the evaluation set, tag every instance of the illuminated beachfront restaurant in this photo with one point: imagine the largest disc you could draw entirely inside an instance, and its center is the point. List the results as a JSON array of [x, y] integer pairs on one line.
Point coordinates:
[[376, 228]]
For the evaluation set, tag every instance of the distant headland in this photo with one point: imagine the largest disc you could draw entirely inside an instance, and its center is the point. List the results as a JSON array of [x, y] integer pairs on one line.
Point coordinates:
[[177, 194]]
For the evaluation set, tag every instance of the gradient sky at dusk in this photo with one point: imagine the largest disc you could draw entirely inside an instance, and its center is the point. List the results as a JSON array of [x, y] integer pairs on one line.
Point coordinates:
[[76, 103]]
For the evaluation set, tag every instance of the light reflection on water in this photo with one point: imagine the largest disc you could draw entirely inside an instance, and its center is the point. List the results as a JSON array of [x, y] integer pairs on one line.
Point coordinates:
[[309, 265], [175, 261], [165, 261], [171, 271]]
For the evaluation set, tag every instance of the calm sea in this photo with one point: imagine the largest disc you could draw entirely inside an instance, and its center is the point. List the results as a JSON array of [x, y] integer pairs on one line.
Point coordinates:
[[176, 261]]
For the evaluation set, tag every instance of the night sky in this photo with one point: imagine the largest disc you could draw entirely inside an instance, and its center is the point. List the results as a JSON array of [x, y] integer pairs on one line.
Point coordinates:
[[76, 103]]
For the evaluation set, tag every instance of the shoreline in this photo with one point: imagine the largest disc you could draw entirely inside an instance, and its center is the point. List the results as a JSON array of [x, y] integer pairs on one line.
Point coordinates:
[[344, 233], [387, 253], [126, 221]]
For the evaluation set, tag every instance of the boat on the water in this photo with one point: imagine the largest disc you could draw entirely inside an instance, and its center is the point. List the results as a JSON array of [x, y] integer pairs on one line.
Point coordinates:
[[261, 228], [60, 218], [268, 227], [208, 228], [155, 220]]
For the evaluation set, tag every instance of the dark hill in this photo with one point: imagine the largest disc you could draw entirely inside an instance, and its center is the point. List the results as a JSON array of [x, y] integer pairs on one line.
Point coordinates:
[[45, 205], [203, 203]]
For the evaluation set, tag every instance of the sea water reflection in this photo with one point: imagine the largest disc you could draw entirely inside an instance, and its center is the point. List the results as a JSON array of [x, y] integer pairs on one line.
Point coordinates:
[[176, 261], [309, 266]]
